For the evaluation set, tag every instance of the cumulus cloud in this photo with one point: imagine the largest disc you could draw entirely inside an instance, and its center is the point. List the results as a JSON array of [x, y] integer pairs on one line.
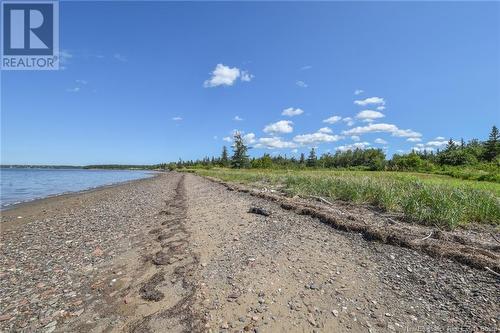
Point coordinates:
[[325, 130], [370, 100], [291, 112], [177, 118], [348, 120], [332, 120], [358, 91], [355, 138], [414, 139], [224, 75], [357, 145], [249, 138], [439, 138], [227, 139], [381, 127], [369, 115], [437, 143], [381, 108], [282, 126], [238, 118], [301, 84], [274, 143], [315, 138], [380, 141]]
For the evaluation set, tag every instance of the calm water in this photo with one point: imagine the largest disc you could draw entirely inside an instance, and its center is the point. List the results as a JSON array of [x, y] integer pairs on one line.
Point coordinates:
[[19, 184]]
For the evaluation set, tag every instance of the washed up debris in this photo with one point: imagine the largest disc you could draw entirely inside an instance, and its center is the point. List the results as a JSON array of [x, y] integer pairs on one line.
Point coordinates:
[[259, 211]]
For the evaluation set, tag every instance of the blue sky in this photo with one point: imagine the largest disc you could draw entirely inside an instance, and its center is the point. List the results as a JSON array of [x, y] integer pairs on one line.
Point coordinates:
[[157, 81]]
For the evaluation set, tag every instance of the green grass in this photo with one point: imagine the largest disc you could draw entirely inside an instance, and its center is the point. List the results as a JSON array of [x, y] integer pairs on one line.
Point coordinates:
[[422, 198]]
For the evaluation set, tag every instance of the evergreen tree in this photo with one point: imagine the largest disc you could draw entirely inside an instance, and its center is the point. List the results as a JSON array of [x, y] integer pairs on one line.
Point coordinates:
[[492, 146], [451, 145], [312, 159], [302, 160], [224, 159], [240, 158]]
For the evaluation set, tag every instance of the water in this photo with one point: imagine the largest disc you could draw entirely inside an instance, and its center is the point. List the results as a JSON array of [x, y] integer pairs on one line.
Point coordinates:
[[23, 184]]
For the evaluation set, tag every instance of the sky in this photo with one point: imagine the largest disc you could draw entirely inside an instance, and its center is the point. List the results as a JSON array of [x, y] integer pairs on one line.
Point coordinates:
[[152, 82]]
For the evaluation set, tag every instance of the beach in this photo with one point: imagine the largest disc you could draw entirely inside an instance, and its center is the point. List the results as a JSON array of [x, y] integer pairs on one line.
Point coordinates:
[[178, 253]]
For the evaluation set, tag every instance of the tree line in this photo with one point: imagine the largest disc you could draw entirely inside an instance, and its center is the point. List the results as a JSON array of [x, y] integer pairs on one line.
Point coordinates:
[[469, 153]]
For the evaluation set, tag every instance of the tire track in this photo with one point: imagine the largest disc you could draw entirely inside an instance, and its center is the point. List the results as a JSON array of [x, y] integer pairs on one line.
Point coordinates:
[[173, 238]]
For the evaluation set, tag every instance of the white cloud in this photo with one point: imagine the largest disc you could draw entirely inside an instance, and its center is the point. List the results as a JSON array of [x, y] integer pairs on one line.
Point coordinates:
[[246, 76], [295, 151], [381, 108], [370, 100], [325, 130], [348, 120], [315, 138], [273, 143], [292, 112], [377, 128], [249, 138], [177, 118], [227, 139], [380, 141], [237, 118], [120, 57], [440, 138], [282, 126], [413, 139], [437, 143], [332, 120], [74, 90], [355, 138], [226, 76], [369, 115], [304, 68], [301, 84], [357, 145], [84, 82], [358, 91]]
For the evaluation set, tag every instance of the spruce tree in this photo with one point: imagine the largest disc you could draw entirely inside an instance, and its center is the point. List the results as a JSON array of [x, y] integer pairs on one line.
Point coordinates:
[[302, 160], [240, 158], [224, 159], [492, 146], [312, 159]]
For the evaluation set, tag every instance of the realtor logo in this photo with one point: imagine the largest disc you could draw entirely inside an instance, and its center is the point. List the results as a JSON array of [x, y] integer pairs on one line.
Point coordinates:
[[30, 35]]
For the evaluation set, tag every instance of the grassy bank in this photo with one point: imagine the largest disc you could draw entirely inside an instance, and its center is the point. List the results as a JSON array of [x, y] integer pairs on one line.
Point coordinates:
[[421, 198]]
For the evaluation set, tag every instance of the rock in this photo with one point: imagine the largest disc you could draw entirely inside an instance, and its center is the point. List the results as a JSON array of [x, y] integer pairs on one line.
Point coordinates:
[[224, 326], [259, 211], [335, 313]]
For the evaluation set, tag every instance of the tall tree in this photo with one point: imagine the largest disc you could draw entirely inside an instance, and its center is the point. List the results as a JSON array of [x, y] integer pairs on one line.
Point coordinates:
[[302, 160], [451, 145], [492, 145], [240, 157], [312, 159], [224, 158]]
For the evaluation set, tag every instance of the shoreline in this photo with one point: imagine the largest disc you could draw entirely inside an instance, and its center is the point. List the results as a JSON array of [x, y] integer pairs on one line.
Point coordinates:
[[23, 212]]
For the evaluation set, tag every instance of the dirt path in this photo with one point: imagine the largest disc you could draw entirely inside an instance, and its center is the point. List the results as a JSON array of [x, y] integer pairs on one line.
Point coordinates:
[[187, 256]]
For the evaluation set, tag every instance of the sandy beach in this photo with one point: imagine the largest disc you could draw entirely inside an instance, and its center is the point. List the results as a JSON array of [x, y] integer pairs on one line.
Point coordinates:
[[180, 253]]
